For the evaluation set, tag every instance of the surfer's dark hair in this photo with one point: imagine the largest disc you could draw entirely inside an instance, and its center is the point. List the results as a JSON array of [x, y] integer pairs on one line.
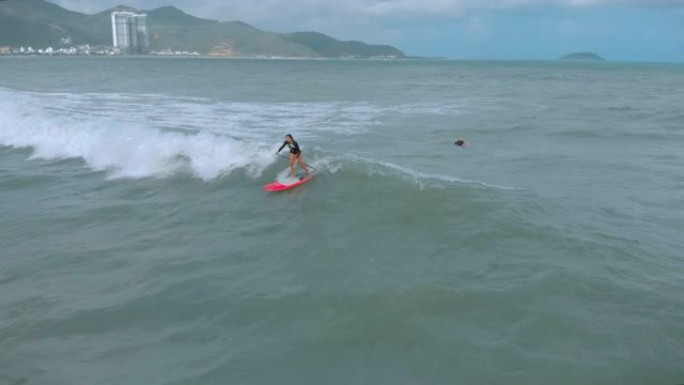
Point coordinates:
[[290, 136]]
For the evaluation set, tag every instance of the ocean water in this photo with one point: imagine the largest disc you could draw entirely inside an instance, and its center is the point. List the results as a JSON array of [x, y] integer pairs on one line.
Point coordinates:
[[138, 247]]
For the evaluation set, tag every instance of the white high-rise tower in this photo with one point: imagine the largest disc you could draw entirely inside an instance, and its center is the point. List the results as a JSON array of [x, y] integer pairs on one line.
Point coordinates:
[[129, 31]]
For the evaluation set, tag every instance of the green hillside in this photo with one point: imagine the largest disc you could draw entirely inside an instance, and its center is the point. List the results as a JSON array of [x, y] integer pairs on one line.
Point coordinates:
[[35, 22], [39, 23], [326, 46], [171, 28]]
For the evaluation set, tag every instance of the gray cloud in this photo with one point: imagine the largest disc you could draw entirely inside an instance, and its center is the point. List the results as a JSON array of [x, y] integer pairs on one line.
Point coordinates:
[[274, 11], [351, 19]]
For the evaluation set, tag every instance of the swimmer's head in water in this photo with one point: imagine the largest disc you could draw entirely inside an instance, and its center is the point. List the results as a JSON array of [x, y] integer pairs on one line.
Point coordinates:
[[461, 143]]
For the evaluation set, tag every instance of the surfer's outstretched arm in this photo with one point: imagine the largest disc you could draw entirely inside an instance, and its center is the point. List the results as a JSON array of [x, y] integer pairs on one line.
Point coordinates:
[[281, 147]]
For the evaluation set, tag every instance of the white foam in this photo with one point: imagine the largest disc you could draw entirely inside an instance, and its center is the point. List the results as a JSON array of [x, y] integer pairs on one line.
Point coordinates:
[[135, 135], [253, 120], [421, 179], [125, 150]]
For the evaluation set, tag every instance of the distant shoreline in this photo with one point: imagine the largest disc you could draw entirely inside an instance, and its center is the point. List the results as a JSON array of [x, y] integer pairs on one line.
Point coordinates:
[[404, 59]]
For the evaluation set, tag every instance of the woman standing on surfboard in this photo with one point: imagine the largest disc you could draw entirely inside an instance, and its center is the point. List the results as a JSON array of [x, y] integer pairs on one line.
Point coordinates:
[[295, 154]]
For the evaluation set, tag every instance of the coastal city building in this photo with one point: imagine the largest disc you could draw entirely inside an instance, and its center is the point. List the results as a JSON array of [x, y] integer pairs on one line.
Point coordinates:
[[129, 32]]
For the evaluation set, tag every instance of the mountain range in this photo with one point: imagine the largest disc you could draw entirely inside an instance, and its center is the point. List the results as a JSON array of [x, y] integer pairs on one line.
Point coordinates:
[[39, 23]]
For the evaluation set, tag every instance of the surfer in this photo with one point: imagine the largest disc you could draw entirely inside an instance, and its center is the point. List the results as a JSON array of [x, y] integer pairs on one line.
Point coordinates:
[[295, 154], [461, 143]]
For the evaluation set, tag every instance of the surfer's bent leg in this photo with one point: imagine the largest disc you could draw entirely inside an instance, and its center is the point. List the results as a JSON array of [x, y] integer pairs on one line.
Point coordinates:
[[292, 162], [300, 162]]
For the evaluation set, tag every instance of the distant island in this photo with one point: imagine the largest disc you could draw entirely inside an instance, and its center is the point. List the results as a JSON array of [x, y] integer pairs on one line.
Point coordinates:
[[582, 56], [39, 23]]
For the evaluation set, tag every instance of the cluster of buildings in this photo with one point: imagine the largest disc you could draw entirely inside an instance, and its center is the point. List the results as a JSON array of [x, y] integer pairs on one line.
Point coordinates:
[[129, 32], [85, 49], [129, 36]]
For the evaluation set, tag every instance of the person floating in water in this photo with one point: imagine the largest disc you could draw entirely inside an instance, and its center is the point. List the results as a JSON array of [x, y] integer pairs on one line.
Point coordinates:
[[461, 143], [295, 154]]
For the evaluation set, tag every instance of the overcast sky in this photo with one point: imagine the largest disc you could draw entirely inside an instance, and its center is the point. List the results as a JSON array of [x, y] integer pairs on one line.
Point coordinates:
[[631, 30]]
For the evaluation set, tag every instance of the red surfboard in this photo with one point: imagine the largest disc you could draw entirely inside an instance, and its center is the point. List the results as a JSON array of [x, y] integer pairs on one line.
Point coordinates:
[[278, 186]]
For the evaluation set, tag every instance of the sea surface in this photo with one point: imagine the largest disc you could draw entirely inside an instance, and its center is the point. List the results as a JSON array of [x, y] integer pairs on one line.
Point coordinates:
[[137, 245]]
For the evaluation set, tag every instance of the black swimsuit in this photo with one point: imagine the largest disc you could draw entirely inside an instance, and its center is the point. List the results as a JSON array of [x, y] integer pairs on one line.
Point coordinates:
[[294, 147]]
